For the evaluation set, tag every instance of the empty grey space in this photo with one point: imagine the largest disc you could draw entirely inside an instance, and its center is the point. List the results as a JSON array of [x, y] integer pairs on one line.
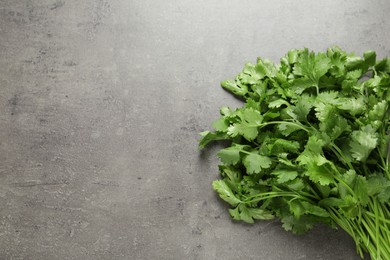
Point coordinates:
[[101, 104]]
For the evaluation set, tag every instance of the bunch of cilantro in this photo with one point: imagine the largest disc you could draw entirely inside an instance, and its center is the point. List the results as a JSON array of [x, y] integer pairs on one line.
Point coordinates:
[[310, 145]]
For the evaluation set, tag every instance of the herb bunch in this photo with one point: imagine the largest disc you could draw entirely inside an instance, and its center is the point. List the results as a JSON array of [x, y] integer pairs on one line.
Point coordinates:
[[310, 145]]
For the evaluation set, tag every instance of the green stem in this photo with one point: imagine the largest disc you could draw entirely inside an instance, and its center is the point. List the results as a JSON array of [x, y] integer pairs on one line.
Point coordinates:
[[380, 218], [338, 152], [273, 194], [270, 195], [370, 232], [281, 122], [379, 247], [301, 194], [258, 199], [345, 225]]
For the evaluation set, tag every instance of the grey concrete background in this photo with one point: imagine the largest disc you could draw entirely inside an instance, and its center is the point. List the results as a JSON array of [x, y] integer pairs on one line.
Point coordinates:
[[101, 103]]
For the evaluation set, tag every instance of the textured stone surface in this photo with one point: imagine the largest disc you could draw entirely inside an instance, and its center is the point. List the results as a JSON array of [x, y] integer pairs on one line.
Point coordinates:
[[101, 104]]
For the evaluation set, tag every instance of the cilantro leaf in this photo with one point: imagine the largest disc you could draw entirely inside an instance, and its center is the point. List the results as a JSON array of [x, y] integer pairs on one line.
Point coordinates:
[[363, 142], [287, 129], [278, 103], [225, 192], [301, 109], [318, 171], [383, 66], [248, 215], [230, 155], [285, 175], [282, 145], [311, 67], [220, 124], [236, 88], [207, 137], [250, 120], [297, 226], [254, 163], [354, 106]]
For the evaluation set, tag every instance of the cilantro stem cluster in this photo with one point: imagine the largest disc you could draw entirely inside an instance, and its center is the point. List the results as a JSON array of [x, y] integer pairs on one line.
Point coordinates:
[[310, 145]]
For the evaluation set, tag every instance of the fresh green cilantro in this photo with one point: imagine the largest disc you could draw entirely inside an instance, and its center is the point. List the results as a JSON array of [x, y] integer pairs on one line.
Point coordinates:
[[310, 145]]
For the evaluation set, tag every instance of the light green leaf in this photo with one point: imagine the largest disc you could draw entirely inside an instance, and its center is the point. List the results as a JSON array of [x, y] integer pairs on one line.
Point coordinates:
[[296, 208], [376, 184], [363, 142], [245, 214], [247, 131], [287, 129], [247, 127], [207, 137], [265, 68], [285, 175], [292, 56], [232, 86], [225, 192], [232, 173], [220, 124], [230, 155], [254, 163], [361, 190], [334, 126], [257, 213], [314, 209], [226, 111], [319, 174], [384, 195], [349, 178], [301, 109], [251, 116], [296, 184], [354, 106], [378, 111], [235, 214], [312, 66], [278, 103], [297, 226]]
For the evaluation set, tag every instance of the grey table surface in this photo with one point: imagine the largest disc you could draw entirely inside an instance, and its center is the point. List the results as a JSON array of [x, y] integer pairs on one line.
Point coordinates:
[[101, 103]]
